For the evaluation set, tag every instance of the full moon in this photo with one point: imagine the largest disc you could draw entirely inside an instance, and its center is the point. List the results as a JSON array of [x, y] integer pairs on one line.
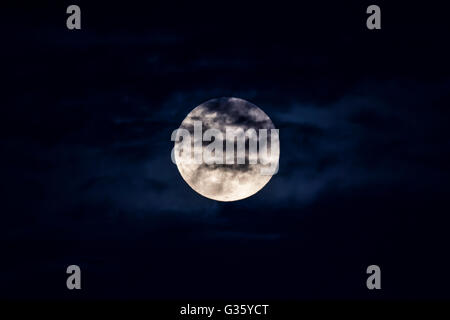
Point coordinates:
[[227, 181]]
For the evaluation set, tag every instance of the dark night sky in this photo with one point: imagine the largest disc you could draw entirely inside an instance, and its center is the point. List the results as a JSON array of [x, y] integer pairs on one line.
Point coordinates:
[[364, 131]]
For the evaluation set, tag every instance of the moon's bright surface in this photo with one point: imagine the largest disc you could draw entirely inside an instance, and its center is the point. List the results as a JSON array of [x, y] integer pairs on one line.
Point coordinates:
[[227, 182]]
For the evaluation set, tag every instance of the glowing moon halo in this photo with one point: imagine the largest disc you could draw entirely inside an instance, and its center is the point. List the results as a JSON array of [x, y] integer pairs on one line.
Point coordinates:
[[225, 181]]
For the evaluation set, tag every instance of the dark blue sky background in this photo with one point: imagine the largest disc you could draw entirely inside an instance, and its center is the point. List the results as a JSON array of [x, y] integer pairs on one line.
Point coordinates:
[[364, 168]]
